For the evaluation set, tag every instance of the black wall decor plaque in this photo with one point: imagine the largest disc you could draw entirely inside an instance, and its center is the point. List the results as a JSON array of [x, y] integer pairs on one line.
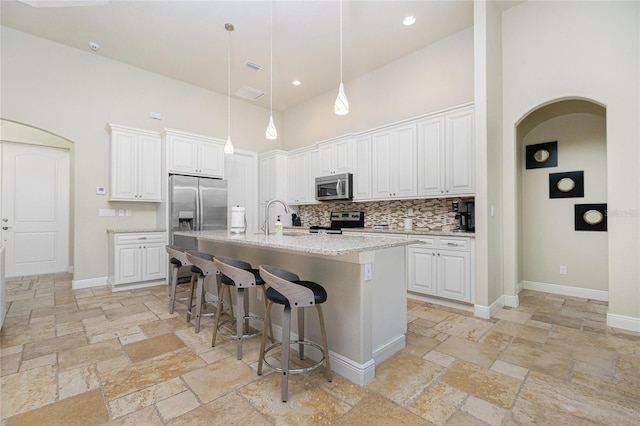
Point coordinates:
[[591, 217], [566, 184], [542, 155]]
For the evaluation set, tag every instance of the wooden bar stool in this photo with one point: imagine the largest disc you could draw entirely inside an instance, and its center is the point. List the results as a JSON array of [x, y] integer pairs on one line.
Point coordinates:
[[242, 276], [178, 260], [286, 288], [202, 265]]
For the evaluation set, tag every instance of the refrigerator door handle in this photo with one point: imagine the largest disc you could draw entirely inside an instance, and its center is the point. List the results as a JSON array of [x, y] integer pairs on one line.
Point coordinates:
[[199, 209]]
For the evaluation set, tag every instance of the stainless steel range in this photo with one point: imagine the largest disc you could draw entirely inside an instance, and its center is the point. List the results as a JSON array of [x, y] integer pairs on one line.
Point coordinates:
[[340, 220]]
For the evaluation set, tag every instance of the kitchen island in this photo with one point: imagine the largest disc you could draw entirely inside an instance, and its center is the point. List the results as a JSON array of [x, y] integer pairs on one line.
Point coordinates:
[[366, 310]]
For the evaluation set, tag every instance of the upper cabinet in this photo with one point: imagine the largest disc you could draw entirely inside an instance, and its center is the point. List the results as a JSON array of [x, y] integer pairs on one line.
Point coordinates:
[[272, 172], [135, 165], [394, 162], [194, 154], [362, 167], [334, 157], [302, 165], [446, 154]]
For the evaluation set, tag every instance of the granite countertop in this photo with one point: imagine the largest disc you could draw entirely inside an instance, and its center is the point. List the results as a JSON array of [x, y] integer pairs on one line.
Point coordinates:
[[135, 230], [303, 241]]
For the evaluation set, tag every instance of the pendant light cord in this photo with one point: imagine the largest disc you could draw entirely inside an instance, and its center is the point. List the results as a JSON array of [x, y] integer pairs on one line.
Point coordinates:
[[271, 58], [229, 85], [340, 41]]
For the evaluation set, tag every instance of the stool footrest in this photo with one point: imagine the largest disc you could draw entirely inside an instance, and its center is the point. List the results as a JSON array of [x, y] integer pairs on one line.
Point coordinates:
[[295, 370], [233, 336]]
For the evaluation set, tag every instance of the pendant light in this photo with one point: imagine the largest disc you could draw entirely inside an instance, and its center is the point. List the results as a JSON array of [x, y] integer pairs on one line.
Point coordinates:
[[342, 104], [272, 132], [228, 146]]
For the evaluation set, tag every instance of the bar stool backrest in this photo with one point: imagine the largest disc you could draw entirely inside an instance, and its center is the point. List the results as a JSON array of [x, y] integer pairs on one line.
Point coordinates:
[[237, 270], [177, 253], [281, 281], [204, 261]]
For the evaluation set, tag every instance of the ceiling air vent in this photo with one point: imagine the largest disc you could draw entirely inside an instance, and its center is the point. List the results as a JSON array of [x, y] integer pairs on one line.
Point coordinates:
[[250, 93], [253, 66]]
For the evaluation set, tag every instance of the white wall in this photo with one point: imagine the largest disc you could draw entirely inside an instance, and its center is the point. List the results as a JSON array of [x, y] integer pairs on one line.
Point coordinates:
[[590, 50], [548, 236], [435, 77], [73, 94]]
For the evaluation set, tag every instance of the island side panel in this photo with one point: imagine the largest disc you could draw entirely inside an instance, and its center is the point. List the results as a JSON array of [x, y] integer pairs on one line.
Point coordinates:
[[389, 303]]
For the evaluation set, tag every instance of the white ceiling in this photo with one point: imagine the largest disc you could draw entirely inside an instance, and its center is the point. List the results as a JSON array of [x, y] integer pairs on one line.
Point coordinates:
[[187, 41]]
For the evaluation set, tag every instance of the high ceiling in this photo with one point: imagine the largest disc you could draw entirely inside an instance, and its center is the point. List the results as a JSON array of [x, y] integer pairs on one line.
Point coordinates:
[[187, 40]]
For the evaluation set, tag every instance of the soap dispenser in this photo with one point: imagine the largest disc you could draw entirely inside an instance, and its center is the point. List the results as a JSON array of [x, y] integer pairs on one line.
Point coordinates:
[[278, 226]]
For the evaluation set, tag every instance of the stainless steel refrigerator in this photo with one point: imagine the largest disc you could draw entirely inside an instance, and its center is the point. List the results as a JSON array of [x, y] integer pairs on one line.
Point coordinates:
[[196, 204]]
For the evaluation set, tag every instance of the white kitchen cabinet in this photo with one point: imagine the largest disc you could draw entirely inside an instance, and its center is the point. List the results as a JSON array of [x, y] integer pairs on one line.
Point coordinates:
[[362, 167], [301, 171], [192, 154], [135, 165], [394, 163], [137, 258], [334, 157], [446, 154], [441, 267], [272, 172]]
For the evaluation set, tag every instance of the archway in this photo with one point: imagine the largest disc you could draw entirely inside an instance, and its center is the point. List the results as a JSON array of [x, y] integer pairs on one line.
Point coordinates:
[[556, 252], [20, 133]]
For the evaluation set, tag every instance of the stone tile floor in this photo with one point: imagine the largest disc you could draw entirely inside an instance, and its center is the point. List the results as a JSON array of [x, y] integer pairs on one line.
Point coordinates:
[[95, 357]]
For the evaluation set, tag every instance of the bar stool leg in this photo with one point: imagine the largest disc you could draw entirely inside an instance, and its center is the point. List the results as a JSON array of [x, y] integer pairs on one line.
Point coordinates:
[[263, 338], [301, 332], [286, 340], [324, 341], [218, 312], [191, 290], [174, 284], [240, 320], [266, 320], [199, 291]]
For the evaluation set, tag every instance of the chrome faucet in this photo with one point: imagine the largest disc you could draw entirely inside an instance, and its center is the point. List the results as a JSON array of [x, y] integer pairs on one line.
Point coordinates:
[[266, 213]]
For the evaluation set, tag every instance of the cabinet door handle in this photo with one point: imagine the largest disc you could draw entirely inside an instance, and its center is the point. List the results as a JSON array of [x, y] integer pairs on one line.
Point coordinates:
[[142, 238]]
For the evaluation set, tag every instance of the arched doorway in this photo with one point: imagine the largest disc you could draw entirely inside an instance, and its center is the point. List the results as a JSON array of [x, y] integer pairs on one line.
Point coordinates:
[[555, 253], [40, 153]]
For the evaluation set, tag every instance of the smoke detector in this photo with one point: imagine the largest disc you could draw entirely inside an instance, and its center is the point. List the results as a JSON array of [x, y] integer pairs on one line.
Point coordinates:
[[94, 46]]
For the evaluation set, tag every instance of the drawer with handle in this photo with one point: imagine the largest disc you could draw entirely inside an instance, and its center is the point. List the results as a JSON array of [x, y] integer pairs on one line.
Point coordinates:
[[462, 244]]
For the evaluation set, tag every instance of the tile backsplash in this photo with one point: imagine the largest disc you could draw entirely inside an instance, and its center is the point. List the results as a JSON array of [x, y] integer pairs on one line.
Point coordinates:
[[434, 214]]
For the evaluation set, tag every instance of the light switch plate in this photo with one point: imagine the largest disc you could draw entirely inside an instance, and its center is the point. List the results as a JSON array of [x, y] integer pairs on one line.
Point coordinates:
[[101, 190]]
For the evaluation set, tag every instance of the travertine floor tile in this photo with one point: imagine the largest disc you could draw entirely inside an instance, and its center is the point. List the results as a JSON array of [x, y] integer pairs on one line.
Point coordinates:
[[464, 327], [403, 377], [583, 402], [537, 360], [54, 344], [228, 410], [477, 353], [483, 410], [526, 413], [28, 390], [145, 417], [154, 346], [375, 408], [493, 387], [89, 354], [146, 397], [177, 405], [438, 403], [116, 383], [85, 409], [77, 380], [216, 379]]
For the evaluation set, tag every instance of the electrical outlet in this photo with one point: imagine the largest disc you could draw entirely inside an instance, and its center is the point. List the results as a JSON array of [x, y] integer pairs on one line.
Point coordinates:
[[563, 270], [128, 212], [121, 212], [367, 272], [409, 212]]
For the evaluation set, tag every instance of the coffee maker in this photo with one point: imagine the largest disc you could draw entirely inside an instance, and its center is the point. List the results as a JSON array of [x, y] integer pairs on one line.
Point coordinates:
[[467, 219]]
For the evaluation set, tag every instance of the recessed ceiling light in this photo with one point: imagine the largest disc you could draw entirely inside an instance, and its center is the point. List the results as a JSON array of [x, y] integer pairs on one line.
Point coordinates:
[[94, 46], [296, 82], [409, 20]]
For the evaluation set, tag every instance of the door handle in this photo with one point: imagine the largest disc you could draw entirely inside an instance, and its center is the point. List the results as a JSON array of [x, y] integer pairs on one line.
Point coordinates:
[[5, 227]]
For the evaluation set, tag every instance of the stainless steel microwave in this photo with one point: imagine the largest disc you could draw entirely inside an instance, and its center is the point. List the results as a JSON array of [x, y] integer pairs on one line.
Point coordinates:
[[334, 187]]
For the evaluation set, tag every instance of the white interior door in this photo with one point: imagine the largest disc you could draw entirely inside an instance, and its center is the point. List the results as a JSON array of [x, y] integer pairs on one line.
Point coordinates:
[[35, 209]]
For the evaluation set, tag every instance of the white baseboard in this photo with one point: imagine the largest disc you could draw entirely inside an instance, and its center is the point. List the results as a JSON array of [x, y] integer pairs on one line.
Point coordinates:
[[444, 302], [511, 301], [487, 312], [624, 322], [90, 282], [565, 290], [135, 286], [389, 349]]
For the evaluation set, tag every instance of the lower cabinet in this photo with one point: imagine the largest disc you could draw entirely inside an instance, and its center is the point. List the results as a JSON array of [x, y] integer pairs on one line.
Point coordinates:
[[137, 257], [441, 267]]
